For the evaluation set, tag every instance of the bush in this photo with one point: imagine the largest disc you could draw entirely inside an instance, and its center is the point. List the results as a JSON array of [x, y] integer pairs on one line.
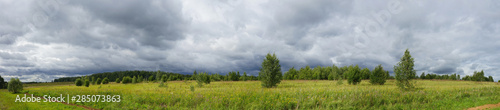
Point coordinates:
[[354, 75], [99, 81], [164, 78], [404, 72], [378, 75], [117, 80], [87, 83], [202, 78], [134, 80], [78, 82], [270, 73], [15, 86], [151, 78], [126, 80], [105, 81]]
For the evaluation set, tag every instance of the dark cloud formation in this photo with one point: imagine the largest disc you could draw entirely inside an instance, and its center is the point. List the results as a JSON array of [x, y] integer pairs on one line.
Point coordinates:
[[43, 40]]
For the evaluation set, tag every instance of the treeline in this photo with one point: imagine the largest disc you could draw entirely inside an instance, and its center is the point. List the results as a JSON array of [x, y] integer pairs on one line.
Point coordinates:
[[478, 76], [328, 73], [436, 76], [121, 74]]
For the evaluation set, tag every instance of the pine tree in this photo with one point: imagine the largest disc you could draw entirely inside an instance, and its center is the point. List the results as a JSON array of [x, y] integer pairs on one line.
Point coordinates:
[[270, 73], [353, 75], [405, 72]]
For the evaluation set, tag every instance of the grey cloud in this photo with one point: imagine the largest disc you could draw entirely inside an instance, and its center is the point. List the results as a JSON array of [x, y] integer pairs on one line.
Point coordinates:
[[84, 37]]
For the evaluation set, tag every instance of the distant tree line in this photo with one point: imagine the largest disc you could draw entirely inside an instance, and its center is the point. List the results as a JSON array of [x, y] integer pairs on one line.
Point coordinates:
[[113, 76], [436, 76], [330, 73], [478, 76]]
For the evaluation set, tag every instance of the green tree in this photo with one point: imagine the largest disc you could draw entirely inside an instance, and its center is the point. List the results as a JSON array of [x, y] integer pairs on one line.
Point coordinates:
[[98, 81], [291, 74], [126, 80], [151, 78], [105, 80], [490, 78], [270, 73], [353, 75], [158, 76], [78, 82], [194, 75], [244, 77], [134, 80], [405, 72], [15, 85], [378, 75], [422, 76], [87, 83], [202, 78], [117, 80], [139, 79], [366, 73]]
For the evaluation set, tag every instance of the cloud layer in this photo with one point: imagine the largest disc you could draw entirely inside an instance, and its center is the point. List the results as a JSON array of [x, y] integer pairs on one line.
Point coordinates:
[[43, 40]]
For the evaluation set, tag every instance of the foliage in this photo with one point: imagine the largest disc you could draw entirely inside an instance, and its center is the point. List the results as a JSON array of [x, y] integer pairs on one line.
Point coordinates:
[[340, 81], [105, 81], [93, 80], [354, 75], [139, 79], [151, 78], [126, 80], [365, 73], [78, 82], [404, 72], [117, 80], [378, 75], [202, 78], [99, 81], [134, 80], [87, 83], [244, 77], [270, 72], [291, 74], [15, 85]]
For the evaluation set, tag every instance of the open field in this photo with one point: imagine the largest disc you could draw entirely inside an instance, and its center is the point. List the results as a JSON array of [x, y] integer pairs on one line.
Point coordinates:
[[301, 94]]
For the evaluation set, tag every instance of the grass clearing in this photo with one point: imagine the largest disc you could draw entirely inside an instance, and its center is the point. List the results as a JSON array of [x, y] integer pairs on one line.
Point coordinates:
[[301, 94]]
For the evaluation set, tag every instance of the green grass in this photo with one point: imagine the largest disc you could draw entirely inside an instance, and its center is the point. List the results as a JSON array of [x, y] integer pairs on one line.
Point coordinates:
[[432, 94]]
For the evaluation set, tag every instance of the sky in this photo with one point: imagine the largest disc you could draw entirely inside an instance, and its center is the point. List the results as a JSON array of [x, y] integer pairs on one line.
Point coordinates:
[[41, 40]]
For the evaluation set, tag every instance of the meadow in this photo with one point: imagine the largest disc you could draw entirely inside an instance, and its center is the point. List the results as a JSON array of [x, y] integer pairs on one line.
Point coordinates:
[[290, 94]]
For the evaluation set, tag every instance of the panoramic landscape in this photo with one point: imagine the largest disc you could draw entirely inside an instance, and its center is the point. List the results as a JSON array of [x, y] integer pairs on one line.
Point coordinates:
[[259, 54]]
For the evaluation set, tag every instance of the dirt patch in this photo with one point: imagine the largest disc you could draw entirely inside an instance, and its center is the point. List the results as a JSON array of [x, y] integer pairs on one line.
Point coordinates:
[[487, 106], [85, 107]]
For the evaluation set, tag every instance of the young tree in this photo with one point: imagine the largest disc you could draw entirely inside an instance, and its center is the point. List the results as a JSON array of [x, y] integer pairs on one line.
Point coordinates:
[[158, 76], [151, 78], [202, 78], [404, 72], [105, 80], [99, 81], [422, 76], [366, 73], [87, 83], [490, 78], [126, 80], [78, 82], [378, 75], [244, 77], [194, 75], [139, 79], [117, 80], [270, 73], [15, 85], [354, 75], [134, 80]]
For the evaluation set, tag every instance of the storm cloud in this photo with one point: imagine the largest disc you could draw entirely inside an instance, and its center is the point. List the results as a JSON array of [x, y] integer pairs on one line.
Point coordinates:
[[43, 40]]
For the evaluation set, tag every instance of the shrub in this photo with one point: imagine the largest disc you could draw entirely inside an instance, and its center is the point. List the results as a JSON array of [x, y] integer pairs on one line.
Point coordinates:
[[78, 82], [164, 78], [139, 79], [99, 81], [105, 81], [117, 80], [151, 78], [134, 80], [15, 86], [202, 78], [378, 75], [353, 75], [126, 80], [87, 83], [404, 72], [270, 73]]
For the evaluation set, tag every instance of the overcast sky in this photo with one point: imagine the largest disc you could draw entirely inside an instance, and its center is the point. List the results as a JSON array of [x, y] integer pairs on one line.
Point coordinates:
[[45, 39]]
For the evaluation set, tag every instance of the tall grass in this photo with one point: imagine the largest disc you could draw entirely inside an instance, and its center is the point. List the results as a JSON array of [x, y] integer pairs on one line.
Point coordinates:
[[288, 95]]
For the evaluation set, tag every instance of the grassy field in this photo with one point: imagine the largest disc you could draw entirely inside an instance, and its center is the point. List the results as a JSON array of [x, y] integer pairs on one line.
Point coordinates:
[[433, 94]]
